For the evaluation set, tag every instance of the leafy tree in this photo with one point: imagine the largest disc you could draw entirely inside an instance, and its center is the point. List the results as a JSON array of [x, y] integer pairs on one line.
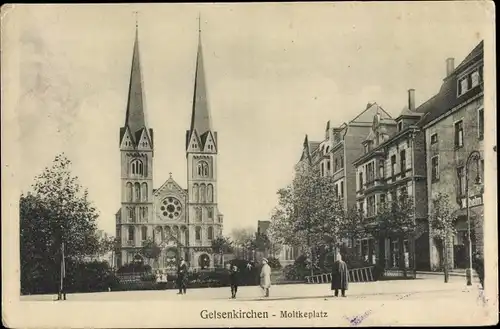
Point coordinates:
[[57, 210], [150, 250], [396, 220], [309, 214], [442, 223], [354, 227], [222, 245]]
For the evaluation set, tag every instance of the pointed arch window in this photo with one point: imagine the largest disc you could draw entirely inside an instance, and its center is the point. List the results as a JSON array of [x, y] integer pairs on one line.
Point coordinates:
[[203, 194], [129, 192], [196, 194], [210, 214], [210, 232], [144, 233], [198, 233], [210, 193], [131, 233], [144, 213], [137, 188], [203, 169], [198, 214], [137, 167]]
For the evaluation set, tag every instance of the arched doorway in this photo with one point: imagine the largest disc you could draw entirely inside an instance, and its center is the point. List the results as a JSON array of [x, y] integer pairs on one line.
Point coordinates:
[[204, 261]]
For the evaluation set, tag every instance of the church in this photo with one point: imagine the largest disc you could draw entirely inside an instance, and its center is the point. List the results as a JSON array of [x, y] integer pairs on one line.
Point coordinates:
[[182, 222]]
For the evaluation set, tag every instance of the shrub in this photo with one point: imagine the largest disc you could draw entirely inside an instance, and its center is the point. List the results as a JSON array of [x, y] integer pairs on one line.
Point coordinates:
[[274, 263], [134, 268]]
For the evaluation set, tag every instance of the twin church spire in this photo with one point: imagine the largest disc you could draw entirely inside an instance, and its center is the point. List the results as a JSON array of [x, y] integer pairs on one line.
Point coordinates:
[[135, 116]]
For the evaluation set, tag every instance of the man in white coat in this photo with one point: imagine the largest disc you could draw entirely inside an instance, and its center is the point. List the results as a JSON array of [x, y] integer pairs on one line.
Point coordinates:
[[265, 277]]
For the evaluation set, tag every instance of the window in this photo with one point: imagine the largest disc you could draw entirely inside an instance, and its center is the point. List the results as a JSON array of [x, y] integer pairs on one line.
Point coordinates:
[[341, 162], [210, 214], [480, 123], [130, 213], [129, 192], [210, 193], [203, 193], [131, 233], [203, 169], [474, 79], [461, 181], [196, 195], [336, 165], [137, 188], [463, 85], [382, 199], [403, 191], [144, 233], [393, 166], [370, 210], [361, 206], [341, 190], [435, 168], [198, 214], [328, 166], [210, 233], [459, 134], [366, 148], [370, 172], [381, 170], [336, 190], [434, 138], [322, 169], [360, 180], [144, 192], [137, 167], [198, 233], [400, 125], [402, 160]]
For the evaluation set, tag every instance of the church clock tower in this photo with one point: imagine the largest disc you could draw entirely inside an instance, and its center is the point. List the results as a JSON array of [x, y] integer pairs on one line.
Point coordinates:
[[205, 221], [136, 157]]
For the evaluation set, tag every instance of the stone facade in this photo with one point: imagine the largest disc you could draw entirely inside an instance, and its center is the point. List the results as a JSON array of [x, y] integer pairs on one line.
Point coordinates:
[[455, 129], [393, 154], [182, 222]]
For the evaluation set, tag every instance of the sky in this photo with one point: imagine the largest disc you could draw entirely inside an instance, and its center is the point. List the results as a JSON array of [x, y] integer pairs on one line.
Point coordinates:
[[274, 73]]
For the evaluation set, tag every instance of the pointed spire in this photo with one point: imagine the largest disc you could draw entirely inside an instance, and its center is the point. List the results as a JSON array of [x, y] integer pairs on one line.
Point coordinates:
[[134, 118], [200, 117], [306, 141]]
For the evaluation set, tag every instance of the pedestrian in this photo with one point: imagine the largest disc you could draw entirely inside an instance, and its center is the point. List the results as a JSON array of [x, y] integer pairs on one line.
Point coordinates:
[[340, 276], [479, 267], [234, 280], [265, 277], [182, 277]]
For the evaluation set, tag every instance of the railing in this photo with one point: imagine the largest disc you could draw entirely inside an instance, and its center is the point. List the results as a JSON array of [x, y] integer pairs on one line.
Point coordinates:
[[364, 274]]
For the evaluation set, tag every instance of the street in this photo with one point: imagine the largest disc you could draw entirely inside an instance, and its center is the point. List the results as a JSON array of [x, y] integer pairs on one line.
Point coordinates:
[[425, 287]]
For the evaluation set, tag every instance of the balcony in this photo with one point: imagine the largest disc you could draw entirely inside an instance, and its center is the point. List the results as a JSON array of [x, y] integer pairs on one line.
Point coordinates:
[[129, 243]]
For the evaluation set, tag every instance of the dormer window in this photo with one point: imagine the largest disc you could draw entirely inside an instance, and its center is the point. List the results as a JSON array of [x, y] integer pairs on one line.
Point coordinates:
[[470, 80], [400, 126]]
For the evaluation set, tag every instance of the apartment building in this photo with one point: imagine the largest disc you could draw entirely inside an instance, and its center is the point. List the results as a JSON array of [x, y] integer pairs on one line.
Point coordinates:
[[454, 129], [393, 163]]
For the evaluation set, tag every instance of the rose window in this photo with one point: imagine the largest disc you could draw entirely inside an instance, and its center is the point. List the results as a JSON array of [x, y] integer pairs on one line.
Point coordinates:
[[171, 208]]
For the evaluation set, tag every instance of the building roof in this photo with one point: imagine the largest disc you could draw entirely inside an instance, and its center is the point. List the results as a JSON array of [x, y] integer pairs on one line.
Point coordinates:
[[134, 118], [200, 117], [447, 99]]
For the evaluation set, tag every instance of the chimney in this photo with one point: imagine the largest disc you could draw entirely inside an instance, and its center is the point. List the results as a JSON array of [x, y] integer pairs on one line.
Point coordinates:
[[411, 99], [450, 65]]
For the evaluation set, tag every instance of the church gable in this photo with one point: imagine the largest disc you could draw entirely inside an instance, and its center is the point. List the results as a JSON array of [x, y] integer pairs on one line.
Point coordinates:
[[144, 141], [194, 144], [126, 141], [168, 188], [209, 145]]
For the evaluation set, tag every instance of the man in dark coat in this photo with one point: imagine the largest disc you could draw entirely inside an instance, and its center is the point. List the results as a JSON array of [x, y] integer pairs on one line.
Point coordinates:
[[478, 265], [182, 277], [233, 280], [340, 276]]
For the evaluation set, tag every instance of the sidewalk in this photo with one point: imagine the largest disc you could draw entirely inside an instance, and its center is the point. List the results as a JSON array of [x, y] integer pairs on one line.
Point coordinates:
[[452, 273]]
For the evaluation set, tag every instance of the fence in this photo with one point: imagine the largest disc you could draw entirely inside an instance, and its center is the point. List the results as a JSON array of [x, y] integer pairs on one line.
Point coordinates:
[[364, 274]]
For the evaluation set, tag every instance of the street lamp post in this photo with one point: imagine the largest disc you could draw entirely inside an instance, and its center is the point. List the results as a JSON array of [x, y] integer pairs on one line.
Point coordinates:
[[476, 156]]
